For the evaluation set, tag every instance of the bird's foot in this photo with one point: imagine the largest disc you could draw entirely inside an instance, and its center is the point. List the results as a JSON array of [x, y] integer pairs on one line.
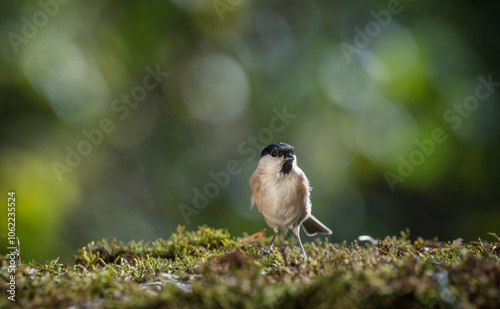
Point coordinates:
[[303, 254], [268, 250], [265, 252]]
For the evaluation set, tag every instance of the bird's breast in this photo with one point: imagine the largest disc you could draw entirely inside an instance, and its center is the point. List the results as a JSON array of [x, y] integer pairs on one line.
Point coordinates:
[[283, 200]]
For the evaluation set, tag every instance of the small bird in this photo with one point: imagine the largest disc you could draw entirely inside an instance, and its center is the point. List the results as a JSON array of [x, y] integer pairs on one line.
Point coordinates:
[[280, 190]]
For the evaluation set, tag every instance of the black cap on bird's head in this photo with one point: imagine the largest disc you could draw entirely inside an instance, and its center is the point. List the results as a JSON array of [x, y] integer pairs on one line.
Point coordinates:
[[278, 149]]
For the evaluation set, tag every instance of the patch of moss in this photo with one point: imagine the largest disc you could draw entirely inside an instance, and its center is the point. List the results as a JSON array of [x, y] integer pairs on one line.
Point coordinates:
[[208, 268]]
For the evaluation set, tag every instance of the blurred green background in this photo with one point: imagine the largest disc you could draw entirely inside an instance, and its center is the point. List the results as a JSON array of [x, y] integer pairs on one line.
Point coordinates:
[[96, 144]]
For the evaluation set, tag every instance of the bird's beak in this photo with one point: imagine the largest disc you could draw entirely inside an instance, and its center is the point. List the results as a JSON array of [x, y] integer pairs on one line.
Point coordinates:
[[289, 157]]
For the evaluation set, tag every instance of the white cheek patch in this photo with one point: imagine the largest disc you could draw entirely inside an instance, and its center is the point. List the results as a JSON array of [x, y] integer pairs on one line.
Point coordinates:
[[271, 164]]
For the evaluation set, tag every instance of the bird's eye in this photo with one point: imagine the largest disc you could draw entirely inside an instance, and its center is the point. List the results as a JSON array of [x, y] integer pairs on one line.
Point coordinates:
[[273, 153]]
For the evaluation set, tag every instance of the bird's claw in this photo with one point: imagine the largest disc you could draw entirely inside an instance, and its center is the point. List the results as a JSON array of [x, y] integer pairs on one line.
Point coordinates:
[[268, 250]]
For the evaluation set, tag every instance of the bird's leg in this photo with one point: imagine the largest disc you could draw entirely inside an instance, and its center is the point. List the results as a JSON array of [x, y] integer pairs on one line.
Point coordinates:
[[302, 251], [270, 247]]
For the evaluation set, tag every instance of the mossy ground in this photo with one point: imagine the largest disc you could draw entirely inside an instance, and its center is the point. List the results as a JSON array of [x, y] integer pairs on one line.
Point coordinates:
[[209, 268]]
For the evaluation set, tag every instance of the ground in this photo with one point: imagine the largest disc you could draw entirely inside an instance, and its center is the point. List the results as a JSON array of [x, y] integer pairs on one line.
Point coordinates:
[[209, 268]]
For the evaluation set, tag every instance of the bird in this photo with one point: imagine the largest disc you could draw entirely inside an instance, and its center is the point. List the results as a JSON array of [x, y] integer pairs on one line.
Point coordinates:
[[281, 192]]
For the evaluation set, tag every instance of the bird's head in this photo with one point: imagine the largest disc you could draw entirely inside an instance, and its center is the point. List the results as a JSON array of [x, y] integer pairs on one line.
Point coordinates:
[[278, 158]]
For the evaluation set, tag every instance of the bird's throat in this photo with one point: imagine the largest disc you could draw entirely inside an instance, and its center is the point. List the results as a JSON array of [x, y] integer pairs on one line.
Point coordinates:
[[287, 167]]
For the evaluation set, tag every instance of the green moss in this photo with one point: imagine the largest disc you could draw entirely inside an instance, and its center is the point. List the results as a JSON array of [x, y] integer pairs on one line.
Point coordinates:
[[209, 268]]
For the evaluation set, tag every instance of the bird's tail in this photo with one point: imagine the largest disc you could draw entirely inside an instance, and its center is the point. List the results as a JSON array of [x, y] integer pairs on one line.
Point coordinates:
[[313, 226]]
